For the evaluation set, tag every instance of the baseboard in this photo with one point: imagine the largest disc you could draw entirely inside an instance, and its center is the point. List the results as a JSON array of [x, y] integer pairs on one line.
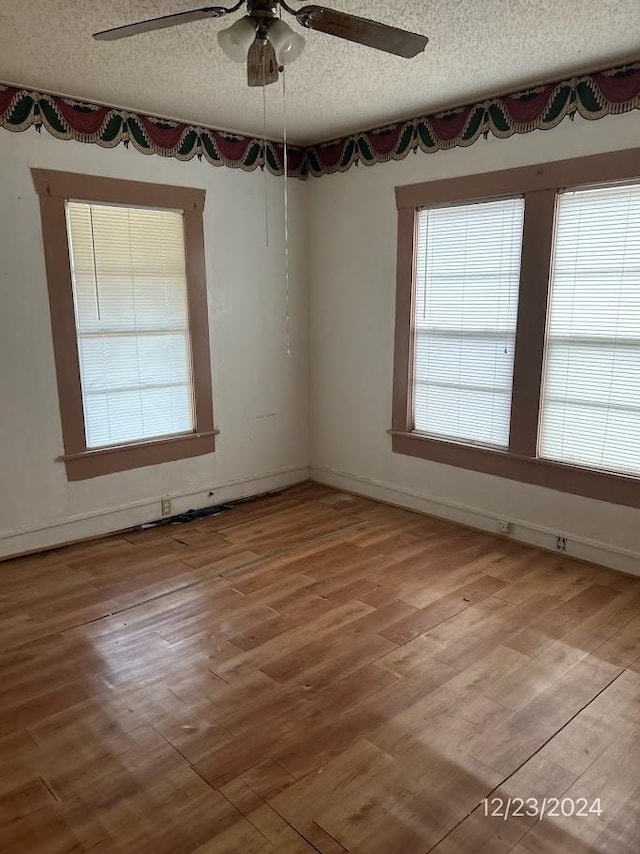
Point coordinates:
[[59, 532], [96, 524], [578, 547]]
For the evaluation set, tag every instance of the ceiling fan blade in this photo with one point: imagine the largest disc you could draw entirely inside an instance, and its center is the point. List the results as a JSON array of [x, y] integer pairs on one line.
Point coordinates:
[[262, 65], [161, 23], [361, 30]]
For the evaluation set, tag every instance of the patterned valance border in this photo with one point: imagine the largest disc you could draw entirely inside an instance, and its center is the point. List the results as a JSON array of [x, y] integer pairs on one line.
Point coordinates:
[[591, 96], [69, 118]]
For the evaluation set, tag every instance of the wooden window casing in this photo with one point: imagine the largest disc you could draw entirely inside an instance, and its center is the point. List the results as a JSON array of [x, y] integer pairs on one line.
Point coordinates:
[[54, 190], [539, 185]]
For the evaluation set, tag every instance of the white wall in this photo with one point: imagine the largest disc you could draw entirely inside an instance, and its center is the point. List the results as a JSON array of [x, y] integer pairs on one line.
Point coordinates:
[[260, 392], [342, 243], [352, 219]]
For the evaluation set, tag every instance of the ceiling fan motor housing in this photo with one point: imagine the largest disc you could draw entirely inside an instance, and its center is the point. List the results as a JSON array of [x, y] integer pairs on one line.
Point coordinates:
[[262, 9], [263, 12]]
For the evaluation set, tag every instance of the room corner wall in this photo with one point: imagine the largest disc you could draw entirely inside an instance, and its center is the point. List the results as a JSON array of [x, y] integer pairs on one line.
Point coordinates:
[[260, 389], [342, 239], [352, 281]]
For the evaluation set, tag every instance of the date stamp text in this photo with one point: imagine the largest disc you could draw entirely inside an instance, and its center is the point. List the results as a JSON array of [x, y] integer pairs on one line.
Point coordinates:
[[540, 808]]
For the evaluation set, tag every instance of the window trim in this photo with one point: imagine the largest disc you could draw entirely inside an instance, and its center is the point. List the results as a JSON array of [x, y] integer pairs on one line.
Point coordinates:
[[539, 185], [54, 189]]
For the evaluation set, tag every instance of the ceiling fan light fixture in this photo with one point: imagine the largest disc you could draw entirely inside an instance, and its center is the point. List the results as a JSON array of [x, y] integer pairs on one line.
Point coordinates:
[[236, 40], [287, 44]]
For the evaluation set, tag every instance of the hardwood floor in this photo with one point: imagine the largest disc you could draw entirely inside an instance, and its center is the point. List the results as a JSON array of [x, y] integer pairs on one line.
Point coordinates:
[[316, 672]]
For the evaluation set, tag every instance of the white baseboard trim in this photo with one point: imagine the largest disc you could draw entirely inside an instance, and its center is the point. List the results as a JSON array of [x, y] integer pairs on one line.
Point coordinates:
[[582, 548], [98, 523]]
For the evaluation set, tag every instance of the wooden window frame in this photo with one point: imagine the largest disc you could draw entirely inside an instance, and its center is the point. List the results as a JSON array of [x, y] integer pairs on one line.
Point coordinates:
[[539, 185], [54, 190]]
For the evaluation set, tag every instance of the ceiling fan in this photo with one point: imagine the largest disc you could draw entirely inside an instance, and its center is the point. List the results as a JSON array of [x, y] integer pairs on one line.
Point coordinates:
[[266, 42]]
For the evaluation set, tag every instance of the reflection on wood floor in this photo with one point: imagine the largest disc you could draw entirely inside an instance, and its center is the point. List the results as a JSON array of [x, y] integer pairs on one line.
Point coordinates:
[[315, 672]]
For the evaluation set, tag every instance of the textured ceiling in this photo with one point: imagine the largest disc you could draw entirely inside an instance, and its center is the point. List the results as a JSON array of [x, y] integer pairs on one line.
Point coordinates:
[[477, 48]]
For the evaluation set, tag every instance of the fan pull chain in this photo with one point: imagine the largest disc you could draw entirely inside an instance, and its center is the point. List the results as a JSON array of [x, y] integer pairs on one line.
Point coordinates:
[[285, 161], [264, 148]]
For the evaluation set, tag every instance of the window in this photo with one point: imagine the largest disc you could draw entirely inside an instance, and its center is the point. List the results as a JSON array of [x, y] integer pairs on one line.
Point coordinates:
[[517, 345], [591, 405], [467, 275], [130, 295], [125, 266]]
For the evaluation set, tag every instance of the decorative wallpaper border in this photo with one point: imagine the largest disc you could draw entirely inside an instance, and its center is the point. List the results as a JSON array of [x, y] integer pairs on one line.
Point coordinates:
[[591, 96], [108, 127]]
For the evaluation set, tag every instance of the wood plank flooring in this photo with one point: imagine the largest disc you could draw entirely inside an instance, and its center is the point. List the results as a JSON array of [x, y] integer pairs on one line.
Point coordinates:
[[315, 672]]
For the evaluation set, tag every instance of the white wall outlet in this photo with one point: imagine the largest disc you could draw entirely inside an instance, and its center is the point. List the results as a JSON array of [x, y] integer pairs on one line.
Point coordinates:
[[561, 544], [165, 504], [504, 527]]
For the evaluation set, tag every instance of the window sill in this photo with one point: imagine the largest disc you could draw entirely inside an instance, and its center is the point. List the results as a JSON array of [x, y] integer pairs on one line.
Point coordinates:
[[603, 486], [94, 463]]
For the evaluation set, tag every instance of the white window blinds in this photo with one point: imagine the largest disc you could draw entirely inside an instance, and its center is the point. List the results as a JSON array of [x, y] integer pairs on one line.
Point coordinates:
[[467, 277], [591, 399], [130, 295]]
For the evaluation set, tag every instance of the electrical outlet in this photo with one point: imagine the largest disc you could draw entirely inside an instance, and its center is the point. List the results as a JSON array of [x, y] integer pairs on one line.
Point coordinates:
[[561, 544], [504, 527], [165, 504]]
